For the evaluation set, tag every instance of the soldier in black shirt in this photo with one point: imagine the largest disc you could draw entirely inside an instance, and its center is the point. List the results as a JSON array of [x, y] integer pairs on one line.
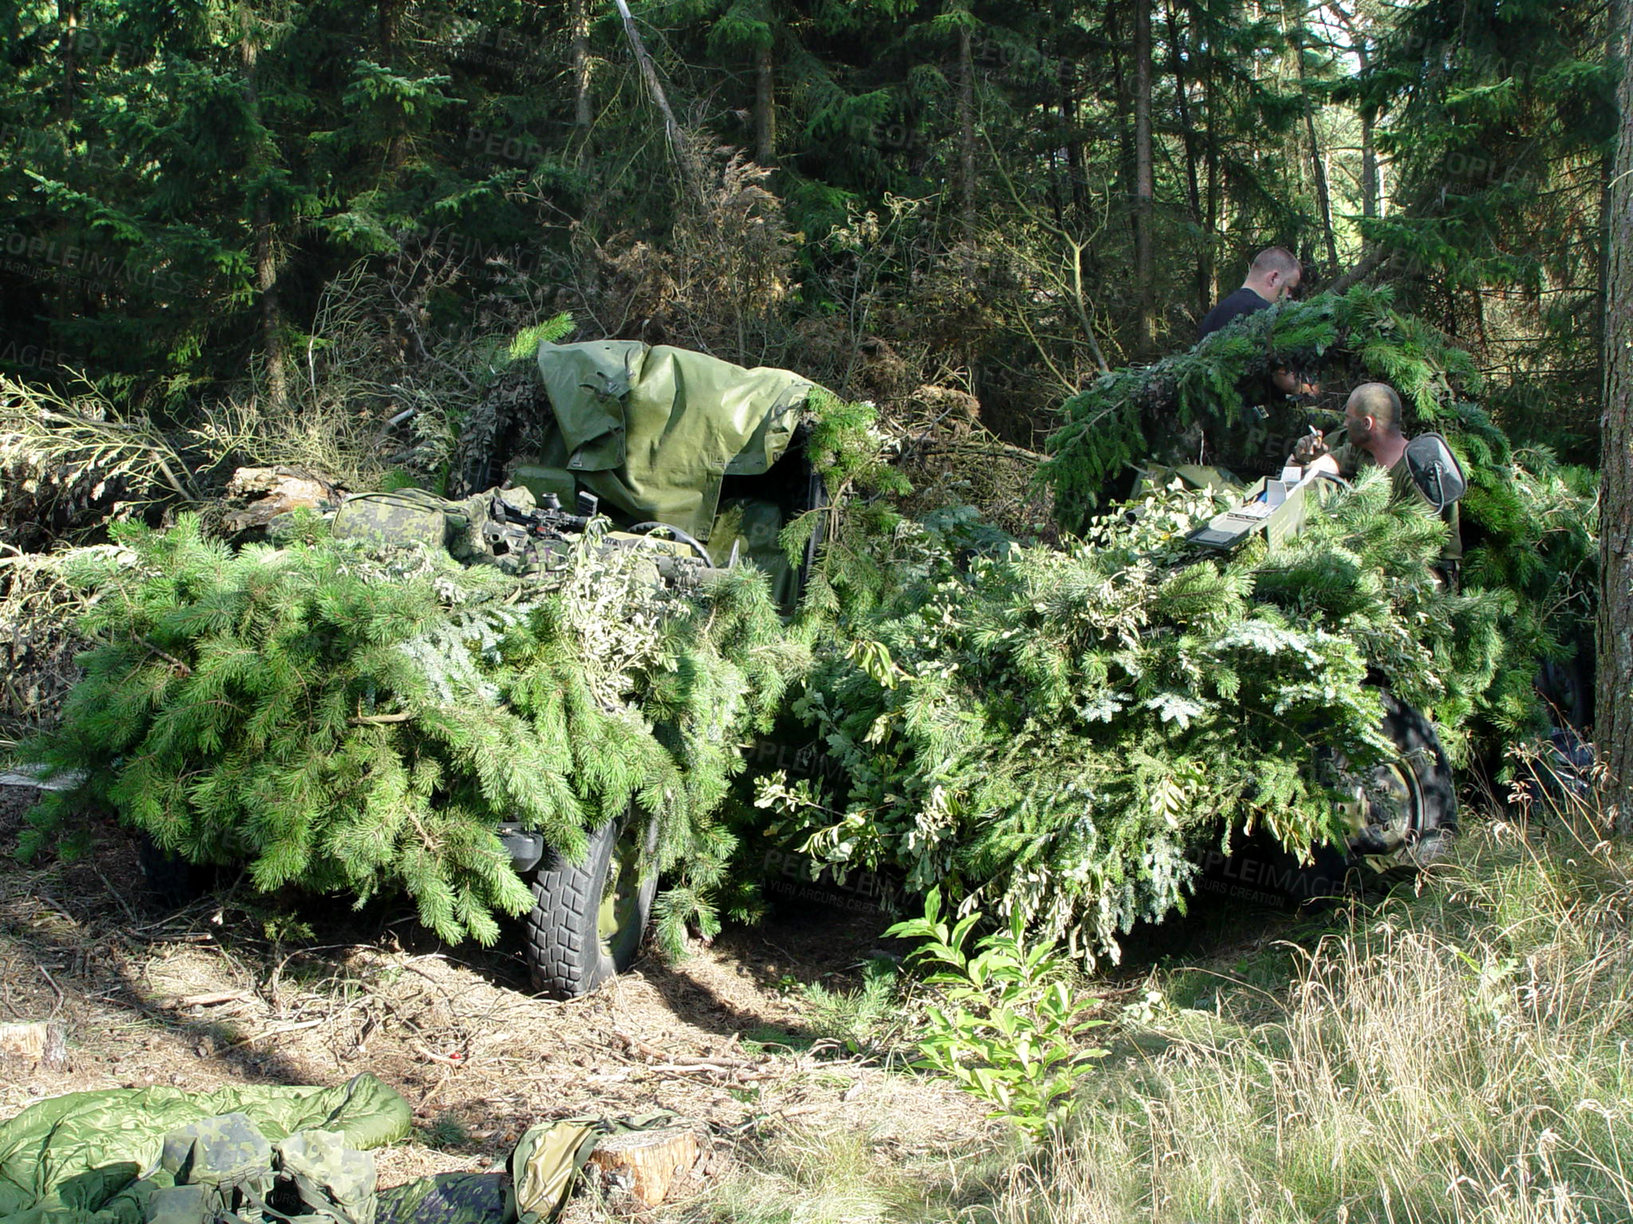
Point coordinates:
[[1257, 444], [1275, 274]]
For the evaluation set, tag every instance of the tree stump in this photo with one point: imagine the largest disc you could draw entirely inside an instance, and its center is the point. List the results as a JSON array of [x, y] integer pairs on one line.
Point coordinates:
[[645, 1163], [40, 1041]]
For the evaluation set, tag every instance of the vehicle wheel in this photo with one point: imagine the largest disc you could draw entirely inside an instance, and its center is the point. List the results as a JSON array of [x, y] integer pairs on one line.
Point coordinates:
[[587, 920], [1403, 810], [172, 882]]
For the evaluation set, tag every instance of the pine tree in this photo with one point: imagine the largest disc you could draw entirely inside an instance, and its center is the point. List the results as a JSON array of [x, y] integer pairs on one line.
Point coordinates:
[[357, 721]]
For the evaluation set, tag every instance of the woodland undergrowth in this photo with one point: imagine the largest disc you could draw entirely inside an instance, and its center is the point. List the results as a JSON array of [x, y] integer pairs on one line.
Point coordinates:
[[348, 719]]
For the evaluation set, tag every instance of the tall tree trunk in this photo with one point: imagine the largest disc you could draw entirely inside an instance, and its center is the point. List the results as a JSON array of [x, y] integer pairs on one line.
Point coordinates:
[[1318, 166], [966, 127], [1193, 192], [68, 50], [1210, 165], [265, 252], [1075, 169], [578, 21], [1144, 274], [1369, 168], [272, 320], [765, 108], [1358, 47], [388, 25], [1613, 708], [1614, 19]]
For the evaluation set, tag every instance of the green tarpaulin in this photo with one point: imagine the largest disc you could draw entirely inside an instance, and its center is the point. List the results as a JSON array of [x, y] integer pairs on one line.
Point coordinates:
[[80, 1158], [654, 430]]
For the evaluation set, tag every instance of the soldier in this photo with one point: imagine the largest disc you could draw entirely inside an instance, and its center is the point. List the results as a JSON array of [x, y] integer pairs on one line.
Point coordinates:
[[1373, 438]]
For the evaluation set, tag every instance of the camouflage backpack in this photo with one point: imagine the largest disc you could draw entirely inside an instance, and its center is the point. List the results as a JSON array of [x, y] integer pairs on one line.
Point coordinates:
[[224, 1171]]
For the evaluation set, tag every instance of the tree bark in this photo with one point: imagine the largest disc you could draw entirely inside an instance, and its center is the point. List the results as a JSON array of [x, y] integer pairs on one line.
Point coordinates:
[[1613, 706], [1210, 167], [1318, 168], [388, 29], [68, 49], [966, 129], [1075, 169], [578, 20], [265, 252], [1369, 152], [1193, 191], [765, 108], [1144, 274]]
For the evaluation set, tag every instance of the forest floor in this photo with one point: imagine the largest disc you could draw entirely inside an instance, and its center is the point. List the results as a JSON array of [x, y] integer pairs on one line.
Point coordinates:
[[1248, 1045], [212, 996]]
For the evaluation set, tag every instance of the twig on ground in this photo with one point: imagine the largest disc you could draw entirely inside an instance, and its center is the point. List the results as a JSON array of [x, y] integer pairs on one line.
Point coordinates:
[[276, 1032], [46, 973], [114, 893], [212, 999]]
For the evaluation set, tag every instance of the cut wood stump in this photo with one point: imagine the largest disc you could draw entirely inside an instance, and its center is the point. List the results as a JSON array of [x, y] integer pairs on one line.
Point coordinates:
[[645, 1163], [39, 1041], [271, 492]]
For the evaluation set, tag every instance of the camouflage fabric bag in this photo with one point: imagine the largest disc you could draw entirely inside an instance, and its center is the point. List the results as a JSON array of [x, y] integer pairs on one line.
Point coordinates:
[[330, 1181], [402, 516], [449, 1198], [226, 1172], [222, 1168]]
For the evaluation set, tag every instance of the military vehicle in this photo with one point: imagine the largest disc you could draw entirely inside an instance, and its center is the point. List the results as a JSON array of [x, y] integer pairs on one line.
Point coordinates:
[[1401, 811], [698, 463]]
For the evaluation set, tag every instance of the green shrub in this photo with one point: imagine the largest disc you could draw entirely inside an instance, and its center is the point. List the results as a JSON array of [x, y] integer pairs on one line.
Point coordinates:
[[1012, 1026], [1063, 735], [354, 720]]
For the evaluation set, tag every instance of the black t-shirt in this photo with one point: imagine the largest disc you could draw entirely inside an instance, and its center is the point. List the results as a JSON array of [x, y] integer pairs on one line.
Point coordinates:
[[1243, 302], [1259, 442]]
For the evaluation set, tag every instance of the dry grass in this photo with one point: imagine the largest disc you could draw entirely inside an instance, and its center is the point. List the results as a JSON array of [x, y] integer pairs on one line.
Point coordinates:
[[1462, 1055]]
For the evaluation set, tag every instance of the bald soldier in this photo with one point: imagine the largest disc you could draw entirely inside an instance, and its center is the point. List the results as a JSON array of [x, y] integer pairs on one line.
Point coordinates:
[[1373, 438]]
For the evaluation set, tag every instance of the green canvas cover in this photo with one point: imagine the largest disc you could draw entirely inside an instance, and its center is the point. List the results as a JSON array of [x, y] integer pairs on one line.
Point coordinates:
[[95, 1157], [652, 431]]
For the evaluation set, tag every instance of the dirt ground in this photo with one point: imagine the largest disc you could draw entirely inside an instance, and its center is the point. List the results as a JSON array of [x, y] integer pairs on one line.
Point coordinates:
[[214, 996]]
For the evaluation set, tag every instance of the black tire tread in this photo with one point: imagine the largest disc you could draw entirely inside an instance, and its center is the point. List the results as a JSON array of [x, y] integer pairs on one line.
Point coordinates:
[[565, 956]]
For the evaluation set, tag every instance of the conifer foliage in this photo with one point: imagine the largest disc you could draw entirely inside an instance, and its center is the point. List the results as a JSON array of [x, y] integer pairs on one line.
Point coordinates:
[[1527, 520], [1065, 734], [358, 720]]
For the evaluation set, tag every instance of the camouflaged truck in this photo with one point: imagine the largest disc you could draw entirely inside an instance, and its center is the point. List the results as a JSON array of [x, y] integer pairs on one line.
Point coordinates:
[[696, 461]]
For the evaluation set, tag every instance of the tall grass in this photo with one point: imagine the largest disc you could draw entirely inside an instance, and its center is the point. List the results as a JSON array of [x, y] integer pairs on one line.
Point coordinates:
[[1462, 1055]]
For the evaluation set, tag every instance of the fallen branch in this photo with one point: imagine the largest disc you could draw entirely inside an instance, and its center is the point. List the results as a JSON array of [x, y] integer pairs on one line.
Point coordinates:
[[277, 1032]]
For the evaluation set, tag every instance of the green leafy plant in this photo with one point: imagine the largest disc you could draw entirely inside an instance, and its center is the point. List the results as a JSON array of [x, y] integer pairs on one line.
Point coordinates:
[[353, 719], [1012, 1027], [1066, 734]]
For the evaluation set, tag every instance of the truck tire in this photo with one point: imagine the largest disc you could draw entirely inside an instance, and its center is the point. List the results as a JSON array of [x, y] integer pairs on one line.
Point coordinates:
[[1404, 810], [172, 883], [587, 919]]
